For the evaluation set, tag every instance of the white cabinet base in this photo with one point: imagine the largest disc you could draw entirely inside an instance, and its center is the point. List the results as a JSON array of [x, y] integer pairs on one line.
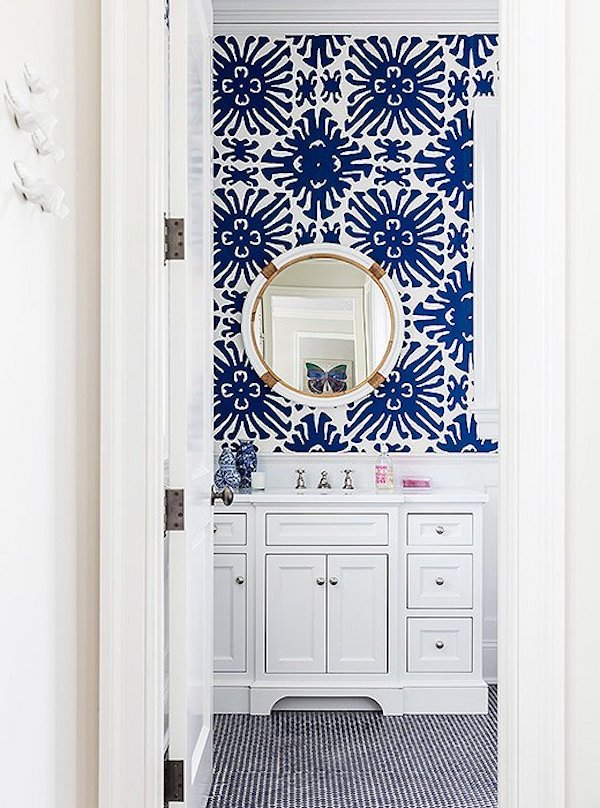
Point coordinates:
[[264, 699], [231, 699], [471, 699], [411, 700]]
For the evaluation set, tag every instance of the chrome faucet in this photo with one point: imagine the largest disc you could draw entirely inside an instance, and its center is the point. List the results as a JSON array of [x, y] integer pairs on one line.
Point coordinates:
[[300, 482], [324, 481], [348, 482]]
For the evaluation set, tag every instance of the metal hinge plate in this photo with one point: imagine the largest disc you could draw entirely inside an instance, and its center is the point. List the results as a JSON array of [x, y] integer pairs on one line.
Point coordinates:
[[174, 239], [174, 509], [173, 779]]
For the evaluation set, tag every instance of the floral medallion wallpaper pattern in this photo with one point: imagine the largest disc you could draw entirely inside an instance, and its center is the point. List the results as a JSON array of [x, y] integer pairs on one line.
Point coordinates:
[[366, 142]]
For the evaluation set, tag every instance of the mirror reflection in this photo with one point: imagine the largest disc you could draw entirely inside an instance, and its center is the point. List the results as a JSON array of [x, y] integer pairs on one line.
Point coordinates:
[[323, 326]]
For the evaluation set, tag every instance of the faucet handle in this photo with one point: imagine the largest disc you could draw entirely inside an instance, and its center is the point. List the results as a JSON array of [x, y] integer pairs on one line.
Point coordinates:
[[348, 482], [300, 482]]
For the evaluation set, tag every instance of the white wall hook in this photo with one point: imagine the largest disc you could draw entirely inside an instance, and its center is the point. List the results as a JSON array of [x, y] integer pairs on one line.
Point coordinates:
[[39, 192], [27, 119], [37, 84], [46, 146]]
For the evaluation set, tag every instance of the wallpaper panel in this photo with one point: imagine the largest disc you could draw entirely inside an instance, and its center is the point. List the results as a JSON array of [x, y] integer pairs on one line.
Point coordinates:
[[366, 142]]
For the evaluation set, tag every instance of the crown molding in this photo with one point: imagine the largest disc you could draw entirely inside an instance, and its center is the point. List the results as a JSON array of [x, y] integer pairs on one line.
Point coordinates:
[[351, 12]]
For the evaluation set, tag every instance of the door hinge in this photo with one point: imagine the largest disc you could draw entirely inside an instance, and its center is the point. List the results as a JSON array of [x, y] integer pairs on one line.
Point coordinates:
[[174, 509], [173, 780], [174, 239]]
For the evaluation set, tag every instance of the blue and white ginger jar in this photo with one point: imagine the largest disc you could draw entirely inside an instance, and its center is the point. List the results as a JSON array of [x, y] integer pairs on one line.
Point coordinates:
[[227, 473], [247, 462]]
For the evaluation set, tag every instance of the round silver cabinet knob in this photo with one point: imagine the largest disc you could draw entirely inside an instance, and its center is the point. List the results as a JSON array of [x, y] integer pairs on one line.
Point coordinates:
[[439, 581], [439, 644], [320, 581], [240, 580], [439, 529], [333, 581]]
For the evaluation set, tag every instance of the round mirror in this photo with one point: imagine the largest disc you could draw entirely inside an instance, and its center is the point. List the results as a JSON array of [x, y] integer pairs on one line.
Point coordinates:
[[321, 325]]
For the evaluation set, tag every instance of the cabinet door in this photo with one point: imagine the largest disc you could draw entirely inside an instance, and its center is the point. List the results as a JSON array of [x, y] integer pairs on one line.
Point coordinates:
[[296, 595], [229, 612], [357, 614]]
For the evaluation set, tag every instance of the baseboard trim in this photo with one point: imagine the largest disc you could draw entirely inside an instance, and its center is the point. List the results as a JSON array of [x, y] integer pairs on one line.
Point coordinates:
[[490, 661], [231, 699], [470, 699], [425, 699]]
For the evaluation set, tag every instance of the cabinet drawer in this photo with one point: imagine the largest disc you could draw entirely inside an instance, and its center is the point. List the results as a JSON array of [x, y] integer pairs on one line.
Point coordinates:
[[327, 529], [230, 528], [440, 581], [440, 528], [440, 644]]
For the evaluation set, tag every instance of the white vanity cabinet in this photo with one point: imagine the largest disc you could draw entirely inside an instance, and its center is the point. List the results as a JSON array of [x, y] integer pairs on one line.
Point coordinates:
[[230, 607], [296, 604], [357, 614], [233, 594], [326, 613], [364, 598]]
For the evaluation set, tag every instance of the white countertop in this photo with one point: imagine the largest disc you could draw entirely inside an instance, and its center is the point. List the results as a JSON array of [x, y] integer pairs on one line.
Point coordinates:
[[337, 496]]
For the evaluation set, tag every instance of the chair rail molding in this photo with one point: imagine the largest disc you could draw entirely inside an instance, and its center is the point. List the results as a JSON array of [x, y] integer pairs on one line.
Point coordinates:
[[347, 12], [531, 649]]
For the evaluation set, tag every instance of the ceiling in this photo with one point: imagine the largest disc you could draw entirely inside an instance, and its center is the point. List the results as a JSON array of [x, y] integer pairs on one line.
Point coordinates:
[[336, 12]]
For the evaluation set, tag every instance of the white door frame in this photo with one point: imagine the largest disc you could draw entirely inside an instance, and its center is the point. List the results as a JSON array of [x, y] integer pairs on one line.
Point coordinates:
[[531, 600], [531, 607], [131, 475]]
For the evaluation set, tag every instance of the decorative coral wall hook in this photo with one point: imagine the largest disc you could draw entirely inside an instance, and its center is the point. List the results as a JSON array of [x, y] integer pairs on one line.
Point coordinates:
[[39, 192], [44, 145], [39, 85], [26, 118]]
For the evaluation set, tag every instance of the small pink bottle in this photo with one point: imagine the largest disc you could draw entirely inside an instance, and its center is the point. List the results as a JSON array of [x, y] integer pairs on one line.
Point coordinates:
[[384, 471]]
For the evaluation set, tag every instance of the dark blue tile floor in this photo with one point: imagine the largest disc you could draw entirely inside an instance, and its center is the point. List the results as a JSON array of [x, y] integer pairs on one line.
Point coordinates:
[[355, 760]]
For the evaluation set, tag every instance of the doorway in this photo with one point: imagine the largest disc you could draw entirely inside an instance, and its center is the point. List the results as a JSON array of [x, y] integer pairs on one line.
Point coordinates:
[[532, 382]]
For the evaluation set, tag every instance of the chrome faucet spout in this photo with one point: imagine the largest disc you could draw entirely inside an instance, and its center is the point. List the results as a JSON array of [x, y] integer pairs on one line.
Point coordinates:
[[324, 481]]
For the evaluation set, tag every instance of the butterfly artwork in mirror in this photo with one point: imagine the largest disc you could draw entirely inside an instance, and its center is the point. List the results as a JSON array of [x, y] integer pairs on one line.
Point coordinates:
[[322, 325], [320, 381]]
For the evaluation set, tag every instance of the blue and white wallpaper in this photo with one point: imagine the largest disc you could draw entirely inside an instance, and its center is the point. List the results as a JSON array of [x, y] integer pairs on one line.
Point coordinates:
[[367, 141]]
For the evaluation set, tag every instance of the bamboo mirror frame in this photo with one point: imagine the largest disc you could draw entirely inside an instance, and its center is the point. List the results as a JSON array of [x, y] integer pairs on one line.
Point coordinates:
[[383, 363]]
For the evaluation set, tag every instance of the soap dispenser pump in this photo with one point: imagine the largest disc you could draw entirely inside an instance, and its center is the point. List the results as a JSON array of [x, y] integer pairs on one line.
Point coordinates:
[[384, 471]]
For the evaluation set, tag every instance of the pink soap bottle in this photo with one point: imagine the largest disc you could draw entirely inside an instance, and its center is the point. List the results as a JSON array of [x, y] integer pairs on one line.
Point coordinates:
[[384, 471]]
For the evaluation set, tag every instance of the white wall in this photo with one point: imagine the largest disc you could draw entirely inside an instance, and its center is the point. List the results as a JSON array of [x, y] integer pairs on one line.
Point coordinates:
[[49, 414], [583, 410]]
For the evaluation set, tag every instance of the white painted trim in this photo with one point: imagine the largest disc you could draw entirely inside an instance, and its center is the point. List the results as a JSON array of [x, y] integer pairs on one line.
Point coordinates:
[[257, 361], [486, 197], [405, 458], [345, 12], [131, 646], [532, 513], [355, 29]]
